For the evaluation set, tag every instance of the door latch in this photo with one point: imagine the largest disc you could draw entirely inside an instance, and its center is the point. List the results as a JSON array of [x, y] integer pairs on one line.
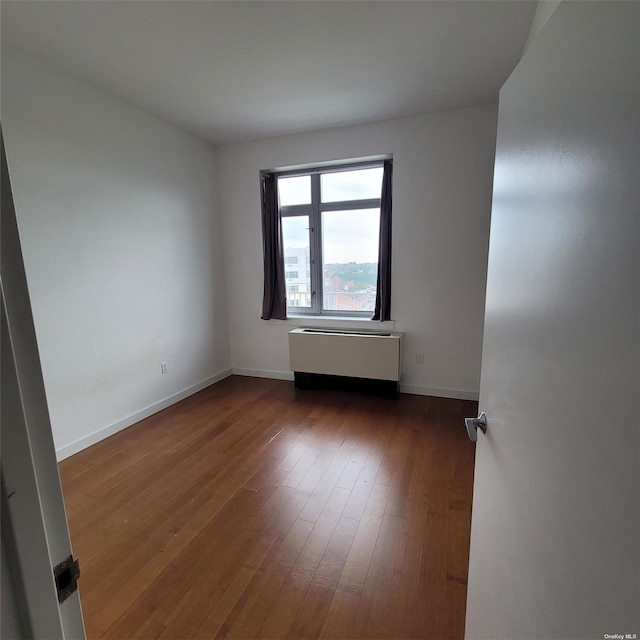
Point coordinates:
[[473, 424], [66, 575]]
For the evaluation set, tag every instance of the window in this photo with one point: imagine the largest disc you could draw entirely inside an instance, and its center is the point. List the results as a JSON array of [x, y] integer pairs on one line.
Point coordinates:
[[334, 224], [331, 224]]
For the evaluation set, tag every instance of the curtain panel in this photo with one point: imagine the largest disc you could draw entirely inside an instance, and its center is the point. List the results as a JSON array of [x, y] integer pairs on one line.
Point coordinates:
[[382, 310], [274, 300]]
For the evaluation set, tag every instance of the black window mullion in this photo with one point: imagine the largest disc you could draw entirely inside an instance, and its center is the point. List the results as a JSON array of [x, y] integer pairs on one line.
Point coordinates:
[[296, 210], [316, 244], [348, 205]]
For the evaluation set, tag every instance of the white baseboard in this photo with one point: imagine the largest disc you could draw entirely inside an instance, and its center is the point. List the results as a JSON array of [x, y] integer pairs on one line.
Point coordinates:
[[455, 394], [105, 432], [260, 373]]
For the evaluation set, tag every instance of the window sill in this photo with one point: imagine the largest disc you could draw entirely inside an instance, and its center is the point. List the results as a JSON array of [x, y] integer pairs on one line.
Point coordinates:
[[335, 322]]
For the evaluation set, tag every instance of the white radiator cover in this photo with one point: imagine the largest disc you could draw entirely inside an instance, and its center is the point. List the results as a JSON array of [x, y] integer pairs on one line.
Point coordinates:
[[341, 352]]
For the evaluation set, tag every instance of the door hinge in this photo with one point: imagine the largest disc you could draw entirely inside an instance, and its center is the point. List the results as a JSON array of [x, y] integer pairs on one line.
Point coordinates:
[[66, 575]]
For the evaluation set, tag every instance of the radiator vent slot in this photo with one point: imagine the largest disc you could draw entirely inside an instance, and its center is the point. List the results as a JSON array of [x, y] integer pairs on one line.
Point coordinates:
[[346, 332]]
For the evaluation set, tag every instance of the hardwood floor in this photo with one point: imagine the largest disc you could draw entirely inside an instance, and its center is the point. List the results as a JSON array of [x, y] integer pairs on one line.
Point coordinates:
[[251, 510]]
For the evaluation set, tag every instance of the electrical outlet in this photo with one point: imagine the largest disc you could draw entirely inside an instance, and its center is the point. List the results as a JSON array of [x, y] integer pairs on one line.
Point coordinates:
[[163, 367], [419, 358]]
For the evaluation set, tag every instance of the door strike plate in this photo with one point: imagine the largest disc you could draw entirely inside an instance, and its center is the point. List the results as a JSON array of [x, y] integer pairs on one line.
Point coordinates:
[[66, 575]]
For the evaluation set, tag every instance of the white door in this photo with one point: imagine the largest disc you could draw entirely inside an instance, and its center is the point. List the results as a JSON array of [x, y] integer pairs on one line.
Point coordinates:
[[35, 536], [555, 535]]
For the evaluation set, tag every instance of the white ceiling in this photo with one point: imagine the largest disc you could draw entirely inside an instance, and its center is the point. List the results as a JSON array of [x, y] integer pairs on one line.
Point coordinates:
[[238, 70]]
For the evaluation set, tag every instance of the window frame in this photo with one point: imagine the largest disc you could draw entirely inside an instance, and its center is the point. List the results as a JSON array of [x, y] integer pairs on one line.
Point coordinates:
[[315, 210]]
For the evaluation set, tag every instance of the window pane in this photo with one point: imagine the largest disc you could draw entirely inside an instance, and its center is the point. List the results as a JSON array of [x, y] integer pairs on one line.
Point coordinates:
[[350, 259], [358, 184], [297, 267], [295, 190]]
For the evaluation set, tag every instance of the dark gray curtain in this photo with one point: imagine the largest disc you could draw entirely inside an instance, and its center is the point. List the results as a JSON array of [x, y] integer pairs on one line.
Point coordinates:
[[382, 310], [274, 300]]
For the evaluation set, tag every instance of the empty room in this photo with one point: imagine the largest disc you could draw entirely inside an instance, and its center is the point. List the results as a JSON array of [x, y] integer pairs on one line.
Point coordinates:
[[320, 319]]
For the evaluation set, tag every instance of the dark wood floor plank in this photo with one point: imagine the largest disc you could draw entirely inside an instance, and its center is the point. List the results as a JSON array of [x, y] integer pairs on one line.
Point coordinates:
[[252, 510], [375, 604]]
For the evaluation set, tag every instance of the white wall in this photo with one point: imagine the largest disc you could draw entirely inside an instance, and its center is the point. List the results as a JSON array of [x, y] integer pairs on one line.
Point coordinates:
[[443, 167], [544, 11], [118, 216]]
